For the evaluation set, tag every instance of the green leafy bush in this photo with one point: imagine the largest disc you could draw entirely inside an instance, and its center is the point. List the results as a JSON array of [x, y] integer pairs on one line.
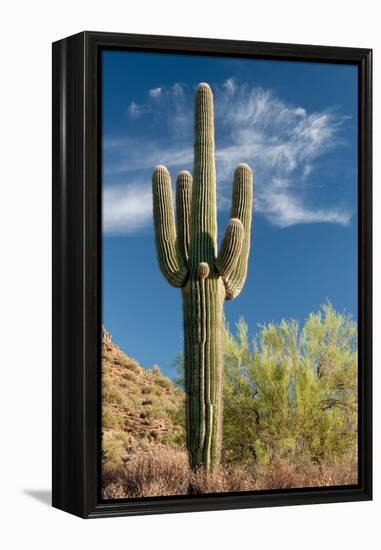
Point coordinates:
[[292, 392]]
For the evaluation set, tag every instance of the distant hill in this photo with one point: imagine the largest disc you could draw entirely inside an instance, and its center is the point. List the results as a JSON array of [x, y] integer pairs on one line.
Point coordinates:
[[142, 409]]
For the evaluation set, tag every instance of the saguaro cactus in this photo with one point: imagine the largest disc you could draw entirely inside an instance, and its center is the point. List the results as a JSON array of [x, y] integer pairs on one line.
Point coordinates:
[[189, 260]]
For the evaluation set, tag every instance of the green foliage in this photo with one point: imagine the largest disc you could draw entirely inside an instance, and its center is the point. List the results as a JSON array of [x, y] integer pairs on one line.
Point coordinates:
[[110, 394], [113, 449], [110, 419], [127, 362], [291, 394]]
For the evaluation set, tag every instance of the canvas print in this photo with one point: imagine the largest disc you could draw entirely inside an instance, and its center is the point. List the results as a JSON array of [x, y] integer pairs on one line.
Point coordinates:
[[229, 275]]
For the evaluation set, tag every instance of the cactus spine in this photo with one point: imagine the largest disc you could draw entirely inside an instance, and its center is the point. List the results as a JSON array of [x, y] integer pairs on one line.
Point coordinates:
[[189, 260]]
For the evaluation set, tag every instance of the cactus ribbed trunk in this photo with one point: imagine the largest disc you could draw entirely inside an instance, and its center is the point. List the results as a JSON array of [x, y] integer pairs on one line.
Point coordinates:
[[203, 360], [203, 297], [189, 259]]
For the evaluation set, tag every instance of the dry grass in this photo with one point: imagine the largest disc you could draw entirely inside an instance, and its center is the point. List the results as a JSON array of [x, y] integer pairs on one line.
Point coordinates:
[[280, 474], [161, 473], [165, 472], [222, 480]]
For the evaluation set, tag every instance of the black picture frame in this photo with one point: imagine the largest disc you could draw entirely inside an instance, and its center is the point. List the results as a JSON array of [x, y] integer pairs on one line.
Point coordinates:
[[77, 273]]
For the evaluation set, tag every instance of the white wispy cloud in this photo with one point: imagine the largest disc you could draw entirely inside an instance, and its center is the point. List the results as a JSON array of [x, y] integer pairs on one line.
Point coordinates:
[[135, 110], [126, 208], [155, 92], [284, 208], [283, 144], [230, 85], [170, 96]]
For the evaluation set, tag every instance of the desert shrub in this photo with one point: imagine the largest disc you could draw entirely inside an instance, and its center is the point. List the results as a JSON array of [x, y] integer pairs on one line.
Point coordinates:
[[164, 407], [113, 448], [165, 472], [131, 402], [159, 473], [176, 438], [114, 397], [110, 394], [164, 382], [177, 416], [291, 393], [107, 355], [110, 418], [129, 363], [282, 474], [151, 390], [129, 376], [107, 383], [221, 480]]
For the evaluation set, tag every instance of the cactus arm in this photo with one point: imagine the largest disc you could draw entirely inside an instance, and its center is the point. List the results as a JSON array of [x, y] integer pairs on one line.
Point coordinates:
[[230, 248], [170, 261], [203, 243], [183, 206], [242, 201]]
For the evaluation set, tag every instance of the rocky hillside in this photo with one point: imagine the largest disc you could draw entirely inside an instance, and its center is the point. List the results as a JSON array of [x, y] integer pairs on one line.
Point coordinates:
[[141, 408]]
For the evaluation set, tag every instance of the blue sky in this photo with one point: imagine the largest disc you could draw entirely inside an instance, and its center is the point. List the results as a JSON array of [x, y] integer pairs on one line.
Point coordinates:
[[294, 123]]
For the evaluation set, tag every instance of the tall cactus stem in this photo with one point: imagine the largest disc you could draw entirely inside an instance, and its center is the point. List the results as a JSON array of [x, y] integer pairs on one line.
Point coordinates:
[[189, 259]]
